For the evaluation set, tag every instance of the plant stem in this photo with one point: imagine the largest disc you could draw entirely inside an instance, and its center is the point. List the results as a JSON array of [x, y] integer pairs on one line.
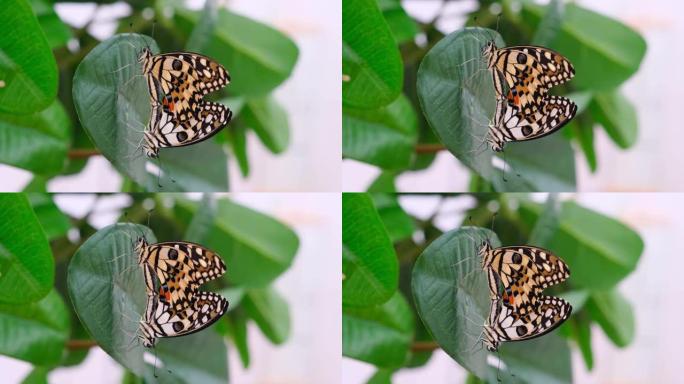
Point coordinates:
[[429, 148], [83, 153], [424, 346], [80, 344]]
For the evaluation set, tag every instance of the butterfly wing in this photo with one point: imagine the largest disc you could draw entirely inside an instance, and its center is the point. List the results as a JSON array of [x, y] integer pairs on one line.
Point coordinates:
[[516, 324], [524, 74]]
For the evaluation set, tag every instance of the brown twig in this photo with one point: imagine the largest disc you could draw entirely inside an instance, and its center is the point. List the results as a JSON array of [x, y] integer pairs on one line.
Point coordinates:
[[429, 148], [424, 346], [80, 344], [82, 153]]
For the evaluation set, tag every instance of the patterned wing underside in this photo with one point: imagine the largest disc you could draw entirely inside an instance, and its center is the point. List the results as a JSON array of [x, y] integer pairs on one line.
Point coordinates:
[[190, 316], [511, 124], [524, 74]]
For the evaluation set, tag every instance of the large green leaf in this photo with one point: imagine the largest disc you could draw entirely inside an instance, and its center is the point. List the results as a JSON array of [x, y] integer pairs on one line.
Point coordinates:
[[617, 115], [257, 248], [35, 332], [57, 33], [398, 223], [28, 71], [457, 97], [270, 312], [36, 142], [369, 263], [385, 137], [113, 105], [599, 250], [403, 27], [379, 335], [603, 51], [452, 299], [451, 295], [107, 289], [27, 269], [371, 63], [269, 120], [259, 57], [615, 316], [54, 222]]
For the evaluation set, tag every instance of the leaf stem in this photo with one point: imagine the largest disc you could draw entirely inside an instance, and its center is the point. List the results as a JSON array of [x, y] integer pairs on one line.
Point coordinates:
[[424, 346], [83, 153], [429, 148], [80, 344]]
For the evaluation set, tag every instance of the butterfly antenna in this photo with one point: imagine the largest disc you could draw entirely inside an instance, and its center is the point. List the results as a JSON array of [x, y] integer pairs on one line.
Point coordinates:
[[493, 218]]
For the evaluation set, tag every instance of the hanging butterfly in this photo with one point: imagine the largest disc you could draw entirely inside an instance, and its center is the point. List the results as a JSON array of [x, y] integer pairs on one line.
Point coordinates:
[[166, 130], [522, 271], [509, 323], [178, 268], [524, 74], [179, 80], [511, 124], [161, 319]]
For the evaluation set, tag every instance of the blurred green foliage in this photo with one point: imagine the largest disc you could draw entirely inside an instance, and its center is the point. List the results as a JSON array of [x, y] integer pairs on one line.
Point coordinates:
[[442, 298], [450, 94], [68, 287], [43, 134]]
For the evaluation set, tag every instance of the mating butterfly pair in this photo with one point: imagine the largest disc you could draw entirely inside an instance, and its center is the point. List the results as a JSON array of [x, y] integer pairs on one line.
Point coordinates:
[[523, 76], [177, 82], [521, 311], [173, 273]]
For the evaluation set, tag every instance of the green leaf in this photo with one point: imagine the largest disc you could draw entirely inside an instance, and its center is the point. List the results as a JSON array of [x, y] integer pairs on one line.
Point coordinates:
[[257, 247], [369, 264], [385, 137], [618, 117], [381, 376], [238, 333], [403, 27], [451, 296], [379, 335], [584, 132], [113, 105], [371, 64], [260, 57], [28, 71], [202, 221], [54, 222], [108, 293], [457, 97], [550, 24], [39, 375], [27, 269], [237, 136], [581, 328], [547, 223], [542, 360], [614, 314], [202, 32], [36, 142], [599, 250], [270, 312], [57, 33], [269, 120], [603, 51], [398, 223], [384, 183], [35, 332]]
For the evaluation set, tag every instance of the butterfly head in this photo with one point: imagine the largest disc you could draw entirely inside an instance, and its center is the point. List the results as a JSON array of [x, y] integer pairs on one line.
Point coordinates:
[[145, 335], [491, 341], [484, 253], [151, 146], [144, 55], [488, 49], [140, 246]]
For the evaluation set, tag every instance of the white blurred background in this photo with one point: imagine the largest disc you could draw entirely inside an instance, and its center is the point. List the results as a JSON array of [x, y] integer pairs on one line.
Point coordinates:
[[648, 166], [654, 289], [312, 97], [311, 286]]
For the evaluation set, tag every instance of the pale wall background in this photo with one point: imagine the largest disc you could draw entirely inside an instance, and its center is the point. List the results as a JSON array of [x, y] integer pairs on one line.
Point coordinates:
[[651, 165], [654, 290], [311, 286], [312, 97]]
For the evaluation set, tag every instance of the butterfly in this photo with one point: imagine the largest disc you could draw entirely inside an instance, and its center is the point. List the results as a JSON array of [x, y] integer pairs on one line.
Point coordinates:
[[178, 267], [522, 271], [510, 123], [166, 130], [177, 82], [524, 74], [509, 323], [161, 319]]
